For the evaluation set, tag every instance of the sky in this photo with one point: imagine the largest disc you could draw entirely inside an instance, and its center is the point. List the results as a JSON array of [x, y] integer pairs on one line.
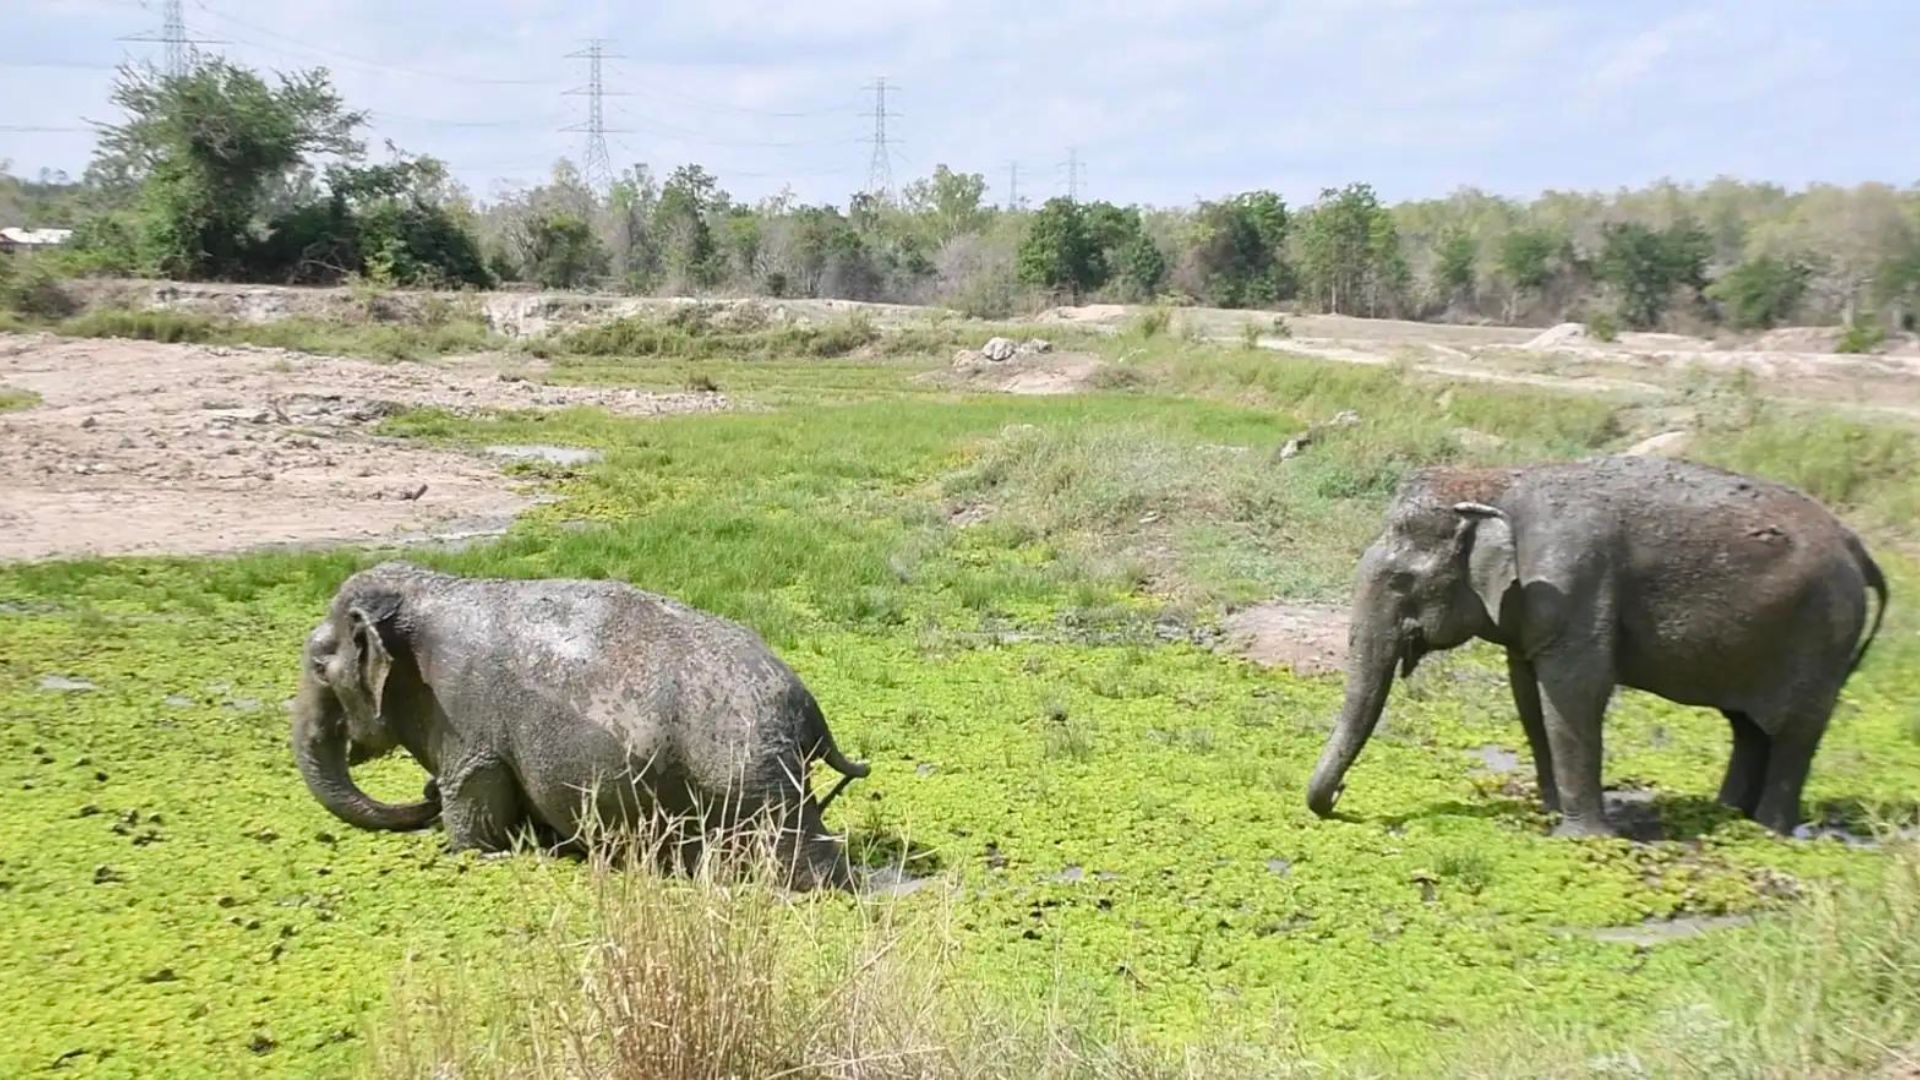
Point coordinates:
[[1161, 101]]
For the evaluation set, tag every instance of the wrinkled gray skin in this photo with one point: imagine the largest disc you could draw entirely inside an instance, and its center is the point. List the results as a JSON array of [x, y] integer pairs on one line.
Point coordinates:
[[559, 704], [1698, 585]]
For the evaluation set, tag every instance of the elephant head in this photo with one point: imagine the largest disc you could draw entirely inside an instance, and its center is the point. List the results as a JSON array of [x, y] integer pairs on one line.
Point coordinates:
[[340, 715], [1436, 577]]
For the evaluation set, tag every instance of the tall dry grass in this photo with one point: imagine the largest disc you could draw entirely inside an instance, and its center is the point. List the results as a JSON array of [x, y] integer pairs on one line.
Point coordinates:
[[715, 974]]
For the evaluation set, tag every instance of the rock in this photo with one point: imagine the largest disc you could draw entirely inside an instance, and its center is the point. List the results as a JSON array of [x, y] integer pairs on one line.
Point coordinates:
[[1032, 346], [999, 350], [1569, 333], [1291, 449], [1279, 866], [89, 422], [61, 684], [1667, 444], [1070, 876], [967, 358], [1477, 440]]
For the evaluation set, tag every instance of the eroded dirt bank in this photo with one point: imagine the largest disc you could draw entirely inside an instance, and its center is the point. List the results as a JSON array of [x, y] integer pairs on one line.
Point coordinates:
[[144, 448]]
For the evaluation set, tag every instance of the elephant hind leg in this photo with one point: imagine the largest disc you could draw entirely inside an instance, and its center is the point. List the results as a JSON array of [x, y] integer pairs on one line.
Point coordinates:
[[1795, 741], [1747, 766], [810, 857]]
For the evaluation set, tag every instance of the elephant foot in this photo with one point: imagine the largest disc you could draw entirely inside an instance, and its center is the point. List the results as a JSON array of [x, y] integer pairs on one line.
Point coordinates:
[[1581, 828]]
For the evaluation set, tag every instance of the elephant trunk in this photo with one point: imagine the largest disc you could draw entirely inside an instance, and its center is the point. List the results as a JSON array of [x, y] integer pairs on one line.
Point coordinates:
[[320, 749], [1371, 655]]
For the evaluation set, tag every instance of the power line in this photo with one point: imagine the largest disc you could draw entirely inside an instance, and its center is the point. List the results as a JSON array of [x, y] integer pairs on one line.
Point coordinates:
[[880, 168], [178, 53], [384, 67], [598, 165]]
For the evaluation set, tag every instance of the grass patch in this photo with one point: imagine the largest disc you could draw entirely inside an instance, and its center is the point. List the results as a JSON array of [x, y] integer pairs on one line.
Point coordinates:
[[967, 586], [13, 397], [1868, 468], [380, 341]]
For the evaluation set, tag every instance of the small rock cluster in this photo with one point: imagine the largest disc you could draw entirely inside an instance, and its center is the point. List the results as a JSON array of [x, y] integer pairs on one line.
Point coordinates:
[[999, 350]]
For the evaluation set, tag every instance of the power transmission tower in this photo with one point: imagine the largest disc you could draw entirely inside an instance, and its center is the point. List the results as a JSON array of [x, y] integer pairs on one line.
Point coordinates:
[[1013, 185], [597, 167], [1073, 174], [880, 168], [178, 54]]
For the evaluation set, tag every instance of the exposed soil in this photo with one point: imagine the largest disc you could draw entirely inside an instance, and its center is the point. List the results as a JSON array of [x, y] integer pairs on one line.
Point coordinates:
[[145, 448], [1030, 373], [1307, 639]]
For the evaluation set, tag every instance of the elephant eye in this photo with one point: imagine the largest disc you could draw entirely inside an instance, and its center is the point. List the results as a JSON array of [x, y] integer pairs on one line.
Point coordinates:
[[1401, 581]]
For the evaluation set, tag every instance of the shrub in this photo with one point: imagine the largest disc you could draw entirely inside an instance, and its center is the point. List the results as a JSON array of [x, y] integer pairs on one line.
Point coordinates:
[[1601, 326], [1863, 335], [33, 289]]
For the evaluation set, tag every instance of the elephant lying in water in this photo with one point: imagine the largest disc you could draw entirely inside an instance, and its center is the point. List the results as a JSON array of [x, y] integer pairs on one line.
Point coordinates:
[[556, 704], [1698, 585]]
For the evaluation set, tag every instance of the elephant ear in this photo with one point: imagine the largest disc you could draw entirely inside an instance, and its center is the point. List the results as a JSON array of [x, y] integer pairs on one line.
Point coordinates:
[[1492, 567], [371, 657]]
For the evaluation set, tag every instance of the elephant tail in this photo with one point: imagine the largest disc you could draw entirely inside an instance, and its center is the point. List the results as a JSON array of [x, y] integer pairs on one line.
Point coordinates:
[[1877, 581], [821, 744]]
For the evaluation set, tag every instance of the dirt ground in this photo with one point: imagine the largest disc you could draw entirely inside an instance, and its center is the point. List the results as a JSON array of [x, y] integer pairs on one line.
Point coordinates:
[[1306, 639], [1027, 374], [145, 448], [1790, 363]]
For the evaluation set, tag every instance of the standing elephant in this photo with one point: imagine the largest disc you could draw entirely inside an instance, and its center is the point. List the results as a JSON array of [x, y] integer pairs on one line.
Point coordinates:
[[1699, 585], [559, 704]]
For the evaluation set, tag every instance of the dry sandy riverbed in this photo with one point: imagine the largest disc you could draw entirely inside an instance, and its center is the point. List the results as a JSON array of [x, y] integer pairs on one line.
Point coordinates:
[[144, 448]]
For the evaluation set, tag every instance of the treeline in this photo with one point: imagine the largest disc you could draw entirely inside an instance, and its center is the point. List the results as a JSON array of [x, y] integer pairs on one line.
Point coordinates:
[[215, 175]]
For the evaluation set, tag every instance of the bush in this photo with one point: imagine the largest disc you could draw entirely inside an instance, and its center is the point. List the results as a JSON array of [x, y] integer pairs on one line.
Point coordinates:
[[1863, 335], [33, 289], [1761, 293], [1153, 322], [1601, 326]]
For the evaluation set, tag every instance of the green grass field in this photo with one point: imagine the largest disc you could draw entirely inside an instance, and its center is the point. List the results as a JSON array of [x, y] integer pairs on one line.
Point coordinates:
[[994, 599]]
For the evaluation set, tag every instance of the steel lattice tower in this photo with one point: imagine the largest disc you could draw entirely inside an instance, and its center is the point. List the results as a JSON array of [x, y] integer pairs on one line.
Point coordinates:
[[597, 166], [177, 53], [880, 168]]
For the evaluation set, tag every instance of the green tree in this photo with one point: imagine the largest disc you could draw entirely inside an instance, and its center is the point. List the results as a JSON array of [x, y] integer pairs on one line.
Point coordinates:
[[1455, 254], [204, 148], [1238, 253], [1526, 259], [1059, 253], [1762, 292], [949, 200], [688, 200], [1896, 288], [1349, 252], [559, 251], [1142, 267], [1645, 267]]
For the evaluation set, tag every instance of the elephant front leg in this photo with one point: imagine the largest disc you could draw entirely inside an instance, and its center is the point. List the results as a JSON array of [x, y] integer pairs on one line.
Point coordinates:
[[481, 806], [1526, 699], [1573, 692]]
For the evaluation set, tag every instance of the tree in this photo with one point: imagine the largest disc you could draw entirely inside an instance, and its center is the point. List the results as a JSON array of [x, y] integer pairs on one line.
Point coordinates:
[[1349, 252], [1455, 254], [1238, 249], [1058, 253], [1142, 267], [690, 197], [203, 148], [1762, 292], [559, 251], [1646, 267], [950, 200]]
